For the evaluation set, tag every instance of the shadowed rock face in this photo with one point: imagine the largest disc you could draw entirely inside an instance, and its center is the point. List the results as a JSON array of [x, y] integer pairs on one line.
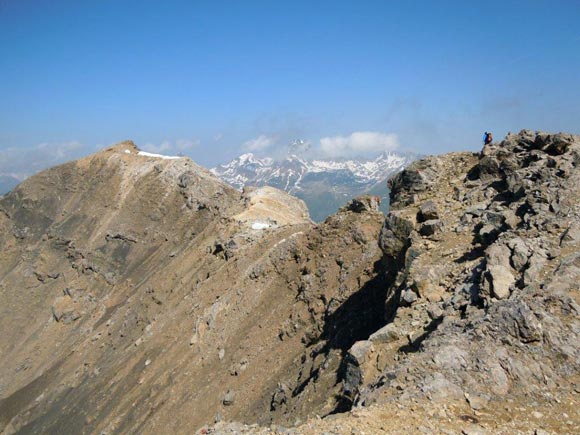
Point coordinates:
[[484, 305], [143, 295]]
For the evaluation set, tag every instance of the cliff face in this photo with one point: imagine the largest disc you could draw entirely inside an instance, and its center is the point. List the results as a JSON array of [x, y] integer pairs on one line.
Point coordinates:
[[482, 302], [142, 295]]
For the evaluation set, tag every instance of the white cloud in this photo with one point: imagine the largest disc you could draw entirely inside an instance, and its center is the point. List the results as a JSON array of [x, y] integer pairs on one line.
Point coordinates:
[[359, 142], [258, 144], [20, 162], [178, 146]]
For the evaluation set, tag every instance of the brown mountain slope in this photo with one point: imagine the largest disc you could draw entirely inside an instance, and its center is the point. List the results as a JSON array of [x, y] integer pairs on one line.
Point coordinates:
[[142, 295]]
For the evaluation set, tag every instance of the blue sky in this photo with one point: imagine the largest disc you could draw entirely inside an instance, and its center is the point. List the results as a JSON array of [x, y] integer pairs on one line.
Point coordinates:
[[212, 79]]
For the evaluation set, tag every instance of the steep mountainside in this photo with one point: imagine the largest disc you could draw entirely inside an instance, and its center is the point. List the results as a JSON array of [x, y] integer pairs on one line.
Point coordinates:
[[140, 294], [325, 185]]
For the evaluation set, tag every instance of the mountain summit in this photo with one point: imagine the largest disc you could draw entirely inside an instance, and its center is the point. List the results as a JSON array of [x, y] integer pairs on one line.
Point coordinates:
[[324, 184]]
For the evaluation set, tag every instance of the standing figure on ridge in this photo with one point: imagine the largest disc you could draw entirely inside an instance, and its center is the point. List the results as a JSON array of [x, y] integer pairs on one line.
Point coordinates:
[[487, 138]]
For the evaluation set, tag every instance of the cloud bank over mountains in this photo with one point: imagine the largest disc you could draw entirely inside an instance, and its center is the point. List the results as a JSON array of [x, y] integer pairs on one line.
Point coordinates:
[[358, 143], [179, 146], [21, 162], [260, 143]]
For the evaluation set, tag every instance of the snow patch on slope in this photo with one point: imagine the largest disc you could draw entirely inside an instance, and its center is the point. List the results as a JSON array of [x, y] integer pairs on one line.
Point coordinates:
[[158, 156]]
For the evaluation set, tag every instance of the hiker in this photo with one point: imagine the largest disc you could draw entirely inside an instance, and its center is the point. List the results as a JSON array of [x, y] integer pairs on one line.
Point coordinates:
[[487, 138]]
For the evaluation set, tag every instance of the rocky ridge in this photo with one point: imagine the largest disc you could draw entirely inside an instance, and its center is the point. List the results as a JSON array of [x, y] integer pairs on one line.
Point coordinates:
[[481, 316], [145, 298]]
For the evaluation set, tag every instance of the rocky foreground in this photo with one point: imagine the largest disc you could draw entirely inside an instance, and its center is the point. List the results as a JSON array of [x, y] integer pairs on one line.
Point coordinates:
[[142, 295], [482, 331]]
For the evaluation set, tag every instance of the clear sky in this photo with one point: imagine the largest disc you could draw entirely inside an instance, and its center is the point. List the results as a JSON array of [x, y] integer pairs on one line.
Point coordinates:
[[212, 79]]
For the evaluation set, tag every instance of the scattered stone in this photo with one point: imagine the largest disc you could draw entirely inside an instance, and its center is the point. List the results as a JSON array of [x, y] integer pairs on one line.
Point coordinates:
[[428, 228], [428, 211], [229, 398], [408, 296], [365, 203], [501, 281], [477, 401], [64, 310], [386, 334]]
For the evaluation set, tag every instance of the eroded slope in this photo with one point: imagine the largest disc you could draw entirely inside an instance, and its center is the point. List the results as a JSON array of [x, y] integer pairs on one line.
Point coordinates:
[[142, 295]]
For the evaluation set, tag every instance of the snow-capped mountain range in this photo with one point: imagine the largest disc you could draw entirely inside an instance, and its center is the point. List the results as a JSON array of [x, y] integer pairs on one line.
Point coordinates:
[[324, 184]]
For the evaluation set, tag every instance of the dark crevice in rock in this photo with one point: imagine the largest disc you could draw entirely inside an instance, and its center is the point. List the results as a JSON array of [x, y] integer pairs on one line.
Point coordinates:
[[415, 345]]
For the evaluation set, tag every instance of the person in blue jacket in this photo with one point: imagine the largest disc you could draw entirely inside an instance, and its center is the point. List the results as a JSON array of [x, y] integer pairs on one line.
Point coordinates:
[[487, 138]]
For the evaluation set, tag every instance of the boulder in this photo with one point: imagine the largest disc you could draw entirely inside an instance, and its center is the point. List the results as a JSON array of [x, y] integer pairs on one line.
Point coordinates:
[[429, 228], [354, 374], [386, 334], [428, 211], [229, 398], [408, 296], [394, 236], [365, 203], [501, 281], [571, 235], [520, 253]]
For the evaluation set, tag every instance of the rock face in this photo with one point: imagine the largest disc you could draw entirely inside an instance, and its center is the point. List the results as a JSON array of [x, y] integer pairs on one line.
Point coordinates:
[[142, 295], [480, 305]]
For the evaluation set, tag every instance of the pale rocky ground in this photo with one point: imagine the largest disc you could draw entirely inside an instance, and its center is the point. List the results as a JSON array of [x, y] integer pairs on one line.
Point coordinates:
[[138, 297]]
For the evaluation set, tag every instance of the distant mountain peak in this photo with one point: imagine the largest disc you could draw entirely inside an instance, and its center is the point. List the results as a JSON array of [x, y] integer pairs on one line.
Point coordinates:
[[324, 184]]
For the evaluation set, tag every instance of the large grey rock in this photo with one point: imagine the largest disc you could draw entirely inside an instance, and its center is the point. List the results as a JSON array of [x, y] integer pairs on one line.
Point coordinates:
[[520, 253], [428, 211], [386, 334], [501, 281], [554, 144], [354, 374], [429, 228], [408, 296], [498, 255], [536, 264], [571, 235], [517, 319], [365, 203], [394, 236], [439, 388]]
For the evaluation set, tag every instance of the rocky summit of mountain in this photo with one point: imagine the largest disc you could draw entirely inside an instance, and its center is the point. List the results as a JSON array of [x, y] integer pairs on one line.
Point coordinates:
[[324, 184], [141, 294]]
